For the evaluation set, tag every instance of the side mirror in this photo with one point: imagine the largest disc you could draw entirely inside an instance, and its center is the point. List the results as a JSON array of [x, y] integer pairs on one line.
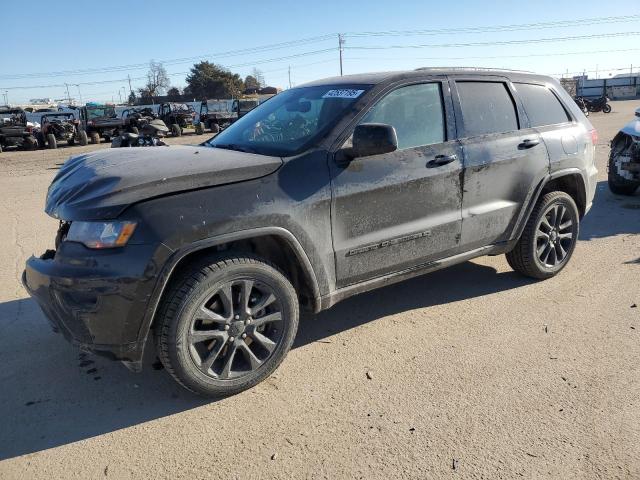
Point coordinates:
[[373, 139]]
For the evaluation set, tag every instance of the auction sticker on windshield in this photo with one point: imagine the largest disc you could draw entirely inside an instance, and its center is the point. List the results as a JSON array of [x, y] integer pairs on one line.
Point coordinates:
[[343, 93]]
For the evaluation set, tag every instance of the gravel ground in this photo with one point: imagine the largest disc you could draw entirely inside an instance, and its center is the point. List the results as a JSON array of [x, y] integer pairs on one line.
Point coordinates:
[[470, 372]]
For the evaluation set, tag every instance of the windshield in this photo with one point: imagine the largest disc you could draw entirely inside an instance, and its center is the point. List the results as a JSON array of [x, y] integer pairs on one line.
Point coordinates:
[[99, 112], [291, 121], [218, 106]]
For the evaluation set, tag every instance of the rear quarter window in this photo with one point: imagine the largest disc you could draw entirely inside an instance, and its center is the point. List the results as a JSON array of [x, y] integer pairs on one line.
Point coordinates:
[[487, 107], [541, 105]]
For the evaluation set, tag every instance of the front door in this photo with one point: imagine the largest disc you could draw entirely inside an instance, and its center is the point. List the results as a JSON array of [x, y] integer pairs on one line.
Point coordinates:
[[395, 211]]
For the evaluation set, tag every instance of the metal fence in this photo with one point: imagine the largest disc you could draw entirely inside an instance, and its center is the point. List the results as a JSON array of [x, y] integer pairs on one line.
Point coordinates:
[[617, 88]]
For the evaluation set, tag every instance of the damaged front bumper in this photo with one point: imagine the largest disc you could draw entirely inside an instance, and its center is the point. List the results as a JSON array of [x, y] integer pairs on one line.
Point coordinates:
[[96, 299]]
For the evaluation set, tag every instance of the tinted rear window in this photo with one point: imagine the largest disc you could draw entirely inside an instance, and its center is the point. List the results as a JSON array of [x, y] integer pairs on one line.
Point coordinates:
[[541, 105], [487, 107]]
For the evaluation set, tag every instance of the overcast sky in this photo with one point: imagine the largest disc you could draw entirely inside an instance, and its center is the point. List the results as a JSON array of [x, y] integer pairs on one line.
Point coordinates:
[[44, 40]]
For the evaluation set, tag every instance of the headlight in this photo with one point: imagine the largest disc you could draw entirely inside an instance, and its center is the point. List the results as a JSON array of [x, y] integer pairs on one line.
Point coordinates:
[[101, 234]]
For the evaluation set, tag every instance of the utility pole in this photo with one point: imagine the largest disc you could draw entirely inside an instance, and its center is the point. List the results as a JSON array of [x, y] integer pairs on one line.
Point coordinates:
[[120, 96], [340, 44], [79, 93], [129, 78], [68, 96], [289, 76]]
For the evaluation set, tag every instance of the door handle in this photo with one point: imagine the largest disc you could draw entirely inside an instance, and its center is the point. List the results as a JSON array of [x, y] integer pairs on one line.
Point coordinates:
[[528, 143], [440, 160]]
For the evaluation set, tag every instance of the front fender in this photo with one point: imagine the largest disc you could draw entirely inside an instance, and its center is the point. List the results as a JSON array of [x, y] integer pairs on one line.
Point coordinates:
[[178, 256]]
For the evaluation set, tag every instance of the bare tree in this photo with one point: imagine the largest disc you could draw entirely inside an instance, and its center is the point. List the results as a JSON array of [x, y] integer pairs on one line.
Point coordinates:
[[157, 79], [259, 76]]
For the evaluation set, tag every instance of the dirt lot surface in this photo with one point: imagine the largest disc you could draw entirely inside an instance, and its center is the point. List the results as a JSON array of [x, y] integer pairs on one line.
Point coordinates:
[[475, 371]]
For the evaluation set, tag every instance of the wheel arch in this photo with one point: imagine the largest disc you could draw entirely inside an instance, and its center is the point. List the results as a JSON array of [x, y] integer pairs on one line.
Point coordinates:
[[570, 180], [274, 244]]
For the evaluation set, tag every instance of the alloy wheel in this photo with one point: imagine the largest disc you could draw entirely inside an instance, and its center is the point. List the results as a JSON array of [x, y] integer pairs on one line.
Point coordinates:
[[555, 236], [236, 329]]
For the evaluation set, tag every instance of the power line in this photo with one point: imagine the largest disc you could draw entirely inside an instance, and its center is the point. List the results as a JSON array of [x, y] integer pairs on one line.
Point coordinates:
[[175, 61], [502, 28], [331, 36], [100, 82], [499, 42], [492, 57]]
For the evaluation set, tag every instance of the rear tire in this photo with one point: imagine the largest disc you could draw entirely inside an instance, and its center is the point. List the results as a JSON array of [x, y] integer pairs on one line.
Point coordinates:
[[82, 138], [95, 137], [30, 143], [199, 128], [548, 240], [215, 128], [176, 131], [226, 324], [51, 141], [71, 142]]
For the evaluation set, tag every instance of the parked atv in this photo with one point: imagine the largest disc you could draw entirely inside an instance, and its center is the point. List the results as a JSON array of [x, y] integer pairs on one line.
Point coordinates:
[[150, 135], [216, 115], [177, 116], [60, 127], [135, 118], [100, 121], [14, 131], [624, 159]]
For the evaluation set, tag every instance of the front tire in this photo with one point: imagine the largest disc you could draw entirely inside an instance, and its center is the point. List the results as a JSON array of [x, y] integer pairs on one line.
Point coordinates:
[[82, 138], [199, 128], [606, 108], [95, 138], [176, 131], [226, 325], [51, 141], [549, 237]]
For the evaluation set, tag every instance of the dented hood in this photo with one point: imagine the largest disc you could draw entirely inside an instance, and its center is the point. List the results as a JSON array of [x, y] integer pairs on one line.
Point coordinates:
[[102, 184]]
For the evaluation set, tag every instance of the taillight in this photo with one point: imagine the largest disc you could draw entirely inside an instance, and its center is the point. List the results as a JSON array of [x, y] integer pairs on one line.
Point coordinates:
[[594, 137]]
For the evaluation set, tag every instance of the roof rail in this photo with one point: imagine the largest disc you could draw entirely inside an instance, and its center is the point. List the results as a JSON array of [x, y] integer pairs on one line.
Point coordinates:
[[474, 69]]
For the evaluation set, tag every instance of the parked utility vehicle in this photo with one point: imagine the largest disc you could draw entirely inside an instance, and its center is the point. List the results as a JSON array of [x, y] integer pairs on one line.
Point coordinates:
[[14, 131], [325, 191], [100, 121], [216, 115], [60, 127], [177, 116]]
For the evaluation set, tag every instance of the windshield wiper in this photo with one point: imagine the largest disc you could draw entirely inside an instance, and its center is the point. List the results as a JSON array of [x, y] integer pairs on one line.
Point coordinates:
[[234, 146]]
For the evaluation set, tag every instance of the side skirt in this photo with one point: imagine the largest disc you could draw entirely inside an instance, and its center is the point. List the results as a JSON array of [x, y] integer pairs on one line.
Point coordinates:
[[331, 299]]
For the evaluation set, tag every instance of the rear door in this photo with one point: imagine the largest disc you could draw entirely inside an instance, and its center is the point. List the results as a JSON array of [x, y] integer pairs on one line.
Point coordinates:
[[503, 158], [395, 211], [563, 137]]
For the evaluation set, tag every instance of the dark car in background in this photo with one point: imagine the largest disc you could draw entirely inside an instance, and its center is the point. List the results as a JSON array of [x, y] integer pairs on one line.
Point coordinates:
[[327, 190]]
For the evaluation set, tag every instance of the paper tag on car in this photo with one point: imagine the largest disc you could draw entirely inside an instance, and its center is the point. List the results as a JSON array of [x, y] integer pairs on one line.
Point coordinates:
[[343, 93]]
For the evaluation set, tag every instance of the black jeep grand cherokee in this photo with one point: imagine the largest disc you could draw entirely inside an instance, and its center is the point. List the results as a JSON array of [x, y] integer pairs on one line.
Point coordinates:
[[323, 192]]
